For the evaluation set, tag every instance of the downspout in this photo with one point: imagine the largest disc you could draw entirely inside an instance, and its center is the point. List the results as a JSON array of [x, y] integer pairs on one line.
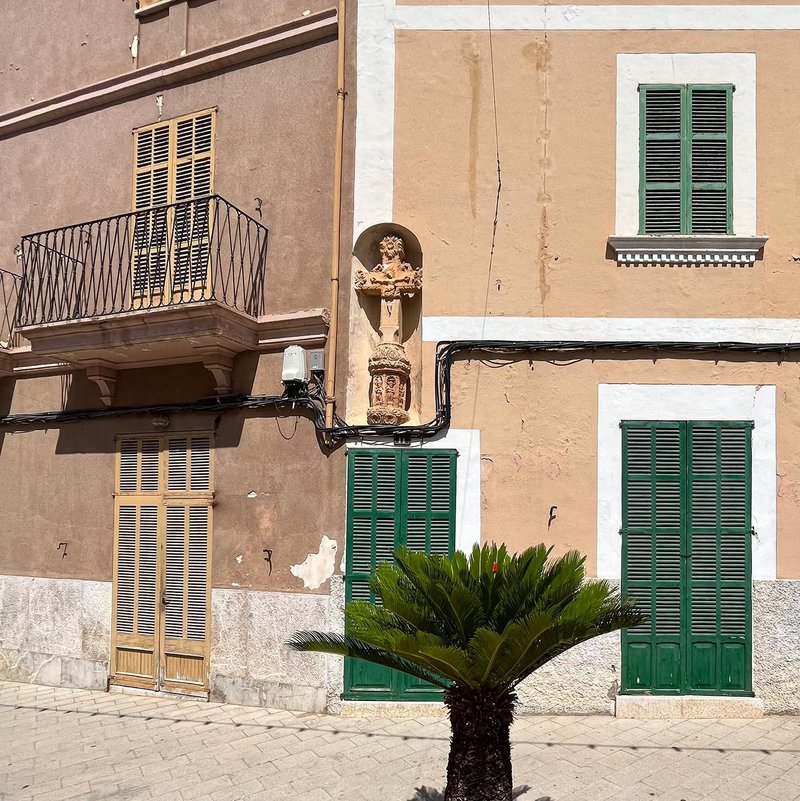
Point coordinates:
[[330, 360]]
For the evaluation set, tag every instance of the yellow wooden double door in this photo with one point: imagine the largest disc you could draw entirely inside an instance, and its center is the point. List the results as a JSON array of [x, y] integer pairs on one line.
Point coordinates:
[[163, 523]]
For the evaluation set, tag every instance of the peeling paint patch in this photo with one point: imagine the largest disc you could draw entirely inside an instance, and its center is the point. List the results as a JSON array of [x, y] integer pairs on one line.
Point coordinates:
[[252, 494], [134, 47], [317, 567], [238, 558]]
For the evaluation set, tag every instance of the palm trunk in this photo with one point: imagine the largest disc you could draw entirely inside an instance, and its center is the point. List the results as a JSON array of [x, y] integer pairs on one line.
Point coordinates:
[[479, 766]]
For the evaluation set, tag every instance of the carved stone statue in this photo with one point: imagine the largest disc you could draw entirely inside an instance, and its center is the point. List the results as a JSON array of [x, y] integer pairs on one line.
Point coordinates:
[[393, 277], [391, 280]]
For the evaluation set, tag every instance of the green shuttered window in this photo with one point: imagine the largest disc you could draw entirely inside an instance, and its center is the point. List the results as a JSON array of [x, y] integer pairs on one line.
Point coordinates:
[[395, 498], [686, 556], [685, 159]]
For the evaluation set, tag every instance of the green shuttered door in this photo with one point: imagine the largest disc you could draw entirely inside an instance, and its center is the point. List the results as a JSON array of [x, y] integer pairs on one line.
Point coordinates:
[[686, 556], [395, 498]]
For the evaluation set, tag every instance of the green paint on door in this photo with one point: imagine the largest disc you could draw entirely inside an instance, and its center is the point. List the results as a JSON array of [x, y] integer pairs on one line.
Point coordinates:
[[686, 556], [394, 498]]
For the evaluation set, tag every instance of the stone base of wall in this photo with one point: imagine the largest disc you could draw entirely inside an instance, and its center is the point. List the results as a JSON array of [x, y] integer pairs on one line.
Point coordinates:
[[58, 632], [55, 671], [250, 661], [776, 645], [582, 681], [687, 707], [55, 631]]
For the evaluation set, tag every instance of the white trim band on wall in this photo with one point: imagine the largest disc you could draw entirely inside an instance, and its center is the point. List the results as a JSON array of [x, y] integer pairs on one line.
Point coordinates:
[[653, 17], [467, 443], [618, 402], [757, 331]]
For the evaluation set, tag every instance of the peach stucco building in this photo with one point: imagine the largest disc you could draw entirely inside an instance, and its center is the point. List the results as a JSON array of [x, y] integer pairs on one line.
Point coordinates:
[[602, 198]]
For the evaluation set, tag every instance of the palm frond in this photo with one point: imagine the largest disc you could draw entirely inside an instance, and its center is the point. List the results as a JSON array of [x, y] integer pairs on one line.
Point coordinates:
[[489, 619], [345, 645]]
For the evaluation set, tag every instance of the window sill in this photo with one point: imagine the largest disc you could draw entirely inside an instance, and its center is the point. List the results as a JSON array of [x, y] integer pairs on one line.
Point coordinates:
[[145, 8], [694, 250]]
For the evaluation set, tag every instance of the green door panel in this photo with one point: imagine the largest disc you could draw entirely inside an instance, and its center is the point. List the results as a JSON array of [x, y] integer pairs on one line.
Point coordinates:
[[638, 664], [668, 666], [686, 556], [703, 666], [733, 666], [366, 680], [395, 498]]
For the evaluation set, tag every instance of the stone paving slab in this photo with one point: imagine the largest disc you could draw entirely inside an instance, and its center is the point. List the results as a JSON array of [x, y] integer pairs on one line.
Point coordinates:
[[58, 744]]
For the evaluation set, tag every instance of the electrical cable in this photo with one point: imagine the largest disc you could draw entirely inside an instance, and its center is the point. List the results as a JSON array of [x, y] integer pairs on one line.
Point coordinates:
[[312, 398]]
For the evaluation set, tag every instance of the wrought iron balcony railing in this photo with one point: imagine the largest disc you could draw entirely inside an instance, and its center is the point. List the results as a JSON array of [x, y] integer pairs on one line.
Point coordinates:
[[9, 297], [199, 250]]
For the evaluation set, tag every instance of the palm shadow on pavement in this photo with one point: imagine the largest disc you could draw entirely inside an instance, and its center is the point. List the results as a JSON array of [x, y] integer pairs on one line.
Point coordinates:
[[431, 794]]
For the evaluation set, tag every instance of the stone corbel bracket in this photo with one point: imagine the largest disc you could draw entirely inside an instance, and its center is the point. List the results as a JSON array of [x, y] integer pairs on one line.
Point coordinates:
[[105, 377]]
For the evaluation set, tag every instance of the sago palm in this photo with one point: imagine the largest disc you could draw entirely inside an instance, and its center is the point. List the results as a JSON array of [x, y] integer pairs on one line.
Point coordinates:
[[476, 627]]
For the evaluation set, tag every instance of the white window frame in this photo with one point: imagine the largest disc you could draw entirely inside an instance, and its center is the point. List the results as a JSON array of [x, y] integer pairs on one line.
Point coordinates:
[[618, 402], [636, 69]]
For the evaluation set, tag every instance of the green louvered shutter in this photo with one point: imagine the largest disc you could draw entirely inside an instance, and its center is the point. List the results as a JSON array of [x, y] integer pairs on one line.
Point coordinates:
[[429, 523], [661, 160], [686, 497], [373, 518], [395, 497], [719, 558], [429, 526], [685, 159], [651, 520], [710, 157]]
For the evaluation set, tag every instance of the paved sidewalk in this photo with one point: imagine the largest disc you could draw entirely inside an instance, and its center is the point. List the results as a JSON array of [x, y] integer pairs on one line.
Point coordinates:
[[59, 744]]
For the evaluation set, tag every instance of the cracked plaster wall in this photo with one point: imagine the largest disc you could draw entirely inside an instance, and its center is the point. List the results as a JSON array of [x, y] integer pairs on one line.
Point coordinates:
[[55, 631]]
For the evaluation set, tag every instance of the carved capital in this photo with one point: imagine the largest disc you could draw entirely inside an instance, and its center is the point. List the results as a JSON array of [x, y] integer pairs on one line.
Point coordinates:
[[389, 357]]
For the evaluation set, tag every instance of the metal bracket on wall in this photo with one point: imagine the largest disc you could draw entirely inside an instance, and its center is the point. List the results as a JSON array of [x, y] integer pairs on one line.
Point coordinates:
[[268, 558]]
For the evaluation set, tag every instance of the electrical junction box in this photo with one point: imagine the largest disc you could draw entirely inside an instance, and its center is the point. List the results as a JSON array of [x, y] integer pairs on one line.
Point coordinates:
[[295, 365], [316, 360]]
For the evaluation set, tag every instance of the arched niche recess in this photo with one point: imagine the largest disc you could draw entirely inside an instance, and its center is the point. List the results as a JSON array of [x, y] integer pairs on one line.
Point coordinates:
[[366, 255]]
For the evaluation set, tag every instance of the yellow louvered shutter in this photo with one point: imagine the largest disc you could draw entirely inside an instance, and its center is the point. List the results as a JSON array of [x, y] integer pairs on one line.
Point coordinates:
[[151, 189], [186, 584], [136, 562], [162, 559], [193, 179], [174, 164]]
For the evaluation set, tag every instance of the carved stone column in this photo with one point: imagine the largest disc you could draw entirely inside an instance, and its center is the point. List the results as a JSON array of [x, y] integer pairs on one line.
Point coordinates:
[[391, 280]]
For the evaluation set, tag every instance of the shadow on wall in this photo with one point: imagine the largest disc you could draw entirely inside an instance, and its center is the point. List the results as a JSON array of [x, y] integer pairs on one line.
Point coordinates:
[[182, 383], [6, 395]]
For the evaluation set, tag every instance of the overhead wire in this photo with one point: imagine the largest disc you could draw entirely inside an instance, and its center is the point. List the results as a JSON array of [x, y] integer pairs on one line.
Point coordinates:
[[311, 398]]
